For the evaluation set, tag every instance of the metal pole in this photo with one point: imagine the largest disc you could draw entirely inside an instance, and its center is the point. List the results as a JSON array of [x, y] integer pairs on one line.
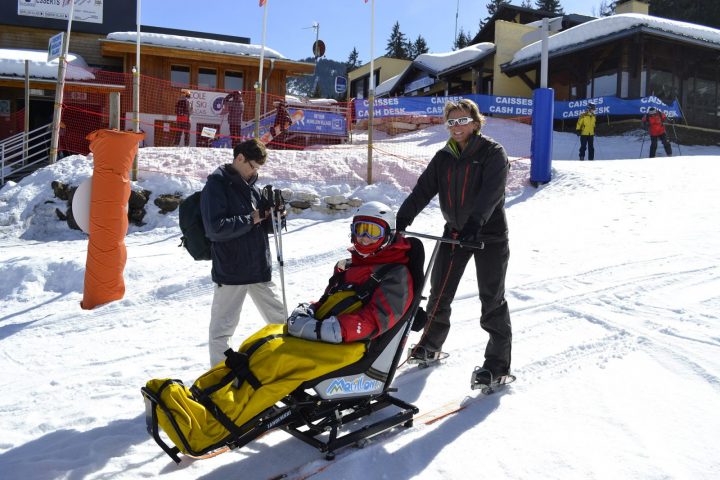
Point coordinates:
[[544, 55], [258, 84], [26, 120], [59, 87], [371, 93], [136, 91]]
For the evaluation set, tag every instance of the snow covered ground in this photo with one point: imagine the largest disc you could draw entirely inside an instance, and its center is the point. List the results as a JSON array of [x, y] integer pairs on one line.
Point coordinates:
[[613, 285]]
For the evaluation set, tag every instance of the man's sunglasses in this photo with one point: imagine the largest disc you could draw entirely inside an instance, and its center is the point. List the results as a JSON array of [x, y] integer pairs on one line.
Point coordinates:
[[451, 122]]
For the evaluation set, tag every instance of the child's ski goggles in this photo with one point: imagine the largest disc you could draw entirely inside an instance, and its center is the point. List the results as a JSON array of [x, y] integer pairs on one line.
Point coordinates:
[[364, 228]]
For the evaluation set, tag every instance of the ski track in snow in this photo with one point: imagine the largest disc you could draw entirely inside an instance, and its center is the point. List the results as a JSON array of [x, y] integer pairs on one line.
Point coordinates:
[[613, 290]]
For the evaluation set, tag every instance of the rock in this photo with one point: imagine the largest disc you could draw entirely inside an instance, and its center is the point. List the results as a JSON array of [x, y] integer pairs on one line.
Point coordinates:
[[300, 204], [335, 200], [168, 202], [355, 202], [60, 190]]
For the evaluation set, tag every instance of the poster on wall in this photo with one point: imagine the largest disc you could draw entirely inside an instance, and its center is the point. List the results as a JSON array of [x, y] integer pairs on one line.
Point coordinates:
[[90, 11]]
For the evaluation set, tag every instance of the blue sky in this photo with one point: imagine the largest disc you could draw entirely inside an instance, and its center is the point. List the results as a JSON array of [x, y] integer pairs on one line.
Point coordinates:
[[344, 24]]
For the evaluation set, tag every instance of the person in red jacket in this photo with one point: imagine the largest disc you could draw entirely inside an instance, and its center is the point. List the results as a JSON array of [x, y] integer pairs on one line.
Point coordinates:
[[183, 110], [374, 245], [656, 128]]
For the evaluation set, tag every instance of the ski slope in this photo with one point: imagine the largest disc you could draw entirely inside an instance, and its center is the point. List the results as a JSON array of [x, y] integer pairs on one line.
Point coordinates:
[[613, 286]]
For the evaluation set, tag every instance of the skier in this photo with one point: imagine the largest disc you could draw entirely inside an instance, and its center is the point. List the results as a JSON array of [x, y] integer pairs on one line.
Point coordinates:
[[235, 107], [469, 176], [656, 128], [375, 244], [183, 110], [585, 128]]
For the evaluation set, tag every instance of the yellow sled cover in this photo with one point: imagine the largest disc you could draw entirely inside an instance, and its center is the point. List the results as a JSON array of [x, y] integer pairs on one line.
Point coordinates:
[[278, 361]]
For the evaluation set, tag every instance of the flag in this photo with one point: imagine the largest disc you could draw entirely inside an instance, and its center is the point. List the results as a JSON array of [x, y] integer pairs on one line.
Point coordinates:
[[262, 2]]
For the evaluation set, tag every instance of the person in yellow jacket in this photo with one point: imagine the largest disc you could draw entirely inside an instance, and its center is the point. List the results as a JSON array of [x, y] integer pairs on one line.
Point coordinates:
[[585, 128]]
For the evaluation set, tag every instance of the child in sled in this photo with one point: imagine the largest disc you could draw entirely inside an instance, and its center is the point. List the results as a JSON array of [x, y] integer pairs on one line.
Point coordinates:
[[366, 296], [374, 244]]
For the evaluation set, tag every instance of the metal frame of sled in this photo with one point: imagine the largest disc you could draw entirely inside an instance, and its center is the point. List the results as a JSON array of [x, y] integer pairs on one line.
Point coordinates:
[[315, 412]]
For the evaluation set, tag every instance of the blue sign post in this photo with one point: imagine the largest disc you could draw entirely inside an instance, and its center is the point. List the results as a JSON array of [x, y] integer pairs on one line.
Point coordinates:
[[340, 84], [542, 136], [55, 46]]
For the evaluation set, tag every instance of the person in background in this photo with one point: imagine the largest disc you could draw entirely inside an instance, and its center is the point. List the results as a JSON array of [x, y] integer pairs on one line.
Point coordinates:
[[375, 244], [183, 110], [240, 250], [282, 118], [655, 120], [469, 176], [585, 128], [235, 107]]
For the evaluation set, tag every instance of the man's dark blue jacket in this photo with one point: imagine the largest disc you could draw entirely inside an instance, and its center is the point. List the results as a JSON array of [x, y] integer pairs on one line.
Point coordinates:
[[240, 249]]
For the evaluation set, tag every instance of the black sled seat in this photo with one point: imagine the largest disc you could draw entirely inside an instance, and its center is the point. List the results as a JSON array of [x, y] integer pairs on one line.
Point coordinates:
[[246, 396]]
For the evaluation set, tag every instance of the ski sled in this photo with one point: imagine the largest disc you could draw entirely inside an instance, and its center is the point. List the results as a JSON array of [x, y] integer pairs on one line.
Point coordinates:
[[478, 380], [324, 389]]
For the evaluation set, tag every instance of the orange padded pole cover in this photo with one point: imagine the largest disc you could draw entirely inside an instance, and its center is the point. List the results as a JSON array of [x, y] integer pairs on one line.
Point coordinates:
[[113, 153]]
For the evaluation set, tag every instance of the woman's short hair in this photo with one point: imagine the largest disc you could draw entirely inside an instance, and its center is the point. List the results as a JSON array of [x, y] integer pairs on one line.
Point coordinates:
[[466, 105]]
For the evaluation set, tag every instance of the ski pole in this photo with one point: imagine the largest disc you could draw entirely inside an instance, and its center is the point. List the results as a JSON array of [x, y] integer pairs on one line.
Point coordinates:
[[279, 207], [451, 241], [643, 142], [677, 142]]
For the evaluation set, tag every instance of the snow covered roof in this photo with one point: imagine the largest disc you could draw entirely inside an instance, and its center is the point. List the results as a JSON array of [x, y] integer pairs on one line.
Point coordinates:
[[599, 28], [440, 62], [194, 43], [386, 86], [12, 64]]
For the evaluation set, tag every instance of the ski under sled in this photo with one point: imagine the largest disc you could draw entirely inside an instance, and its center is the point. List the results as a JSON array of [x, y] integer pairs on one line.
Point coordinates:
[[328, 412]]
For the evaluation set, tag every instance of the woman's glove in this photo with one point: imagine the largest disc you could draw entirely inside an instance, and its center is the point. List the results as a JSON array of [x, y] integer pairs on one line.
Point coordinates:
[[307, 327]]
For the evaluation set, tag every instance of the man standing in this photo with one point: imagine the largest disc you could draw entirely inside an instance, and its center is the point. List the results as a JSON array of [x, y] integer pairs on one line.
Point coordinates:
[[183, 110], [585, 128], [235, 107], [241, 262], [656, 127]]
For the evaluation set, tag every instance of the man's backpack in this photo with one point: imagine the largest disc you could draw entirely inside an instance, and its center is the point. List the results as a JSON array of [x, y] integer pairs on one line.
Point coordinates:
[[192, 228]]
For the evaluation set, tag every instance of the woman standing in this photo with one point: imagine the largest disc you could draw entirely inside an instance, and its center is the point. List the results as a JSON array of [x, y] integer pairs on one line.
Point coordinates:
[[469, 175]]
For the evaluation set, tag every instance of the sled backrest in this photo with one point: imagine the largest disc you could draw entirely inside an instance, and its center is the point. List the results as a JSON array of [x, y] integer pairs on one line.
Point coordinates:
[[373, 374]]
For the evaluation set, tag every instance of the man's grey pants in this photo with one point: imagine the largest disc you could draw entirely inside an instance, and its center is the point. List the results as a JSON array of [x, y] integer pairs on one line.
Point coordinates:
[[225, 313]]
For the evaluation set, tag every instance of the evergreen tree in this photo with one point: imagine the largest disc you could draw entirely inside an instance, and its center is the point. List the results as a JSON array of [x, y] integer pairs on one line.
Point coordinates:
[[418, 47], [353, 60], [702, 12], [397, 44], [463, 40], [526, 4], [607, 8], [492, 9], [552, 6]]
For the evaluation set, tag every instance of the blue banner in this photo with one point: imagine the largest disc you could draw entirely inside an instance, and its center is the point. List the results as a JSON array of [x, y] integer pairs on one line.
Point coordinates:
[[511, 106], [615, 106], [305, 121]]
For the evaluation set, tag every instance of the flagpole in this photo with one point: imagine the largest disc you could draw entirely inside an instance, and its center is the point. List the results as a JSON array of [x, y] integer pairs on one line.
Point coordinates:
[[136, 89], [62, 67], [371, 92], [258, 84]]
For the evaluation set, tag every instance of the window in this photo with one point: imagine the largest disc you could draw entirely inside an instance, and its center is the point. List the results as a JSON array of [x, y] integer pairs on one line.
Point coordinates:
[[207, 78], [233, 81], [179, 76]]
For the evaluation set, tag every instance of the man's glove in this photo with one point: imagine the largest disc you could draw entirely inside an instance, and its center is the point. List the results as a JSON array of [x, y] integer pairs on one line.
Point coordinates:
[[307, 327], [577, 132], [401, 223], [469, 231]]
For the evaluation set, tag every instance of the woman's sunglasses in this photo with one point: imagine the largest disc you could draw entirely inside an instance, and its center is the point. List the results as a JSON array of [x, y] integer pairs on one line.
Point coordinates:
[[451, 122]]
